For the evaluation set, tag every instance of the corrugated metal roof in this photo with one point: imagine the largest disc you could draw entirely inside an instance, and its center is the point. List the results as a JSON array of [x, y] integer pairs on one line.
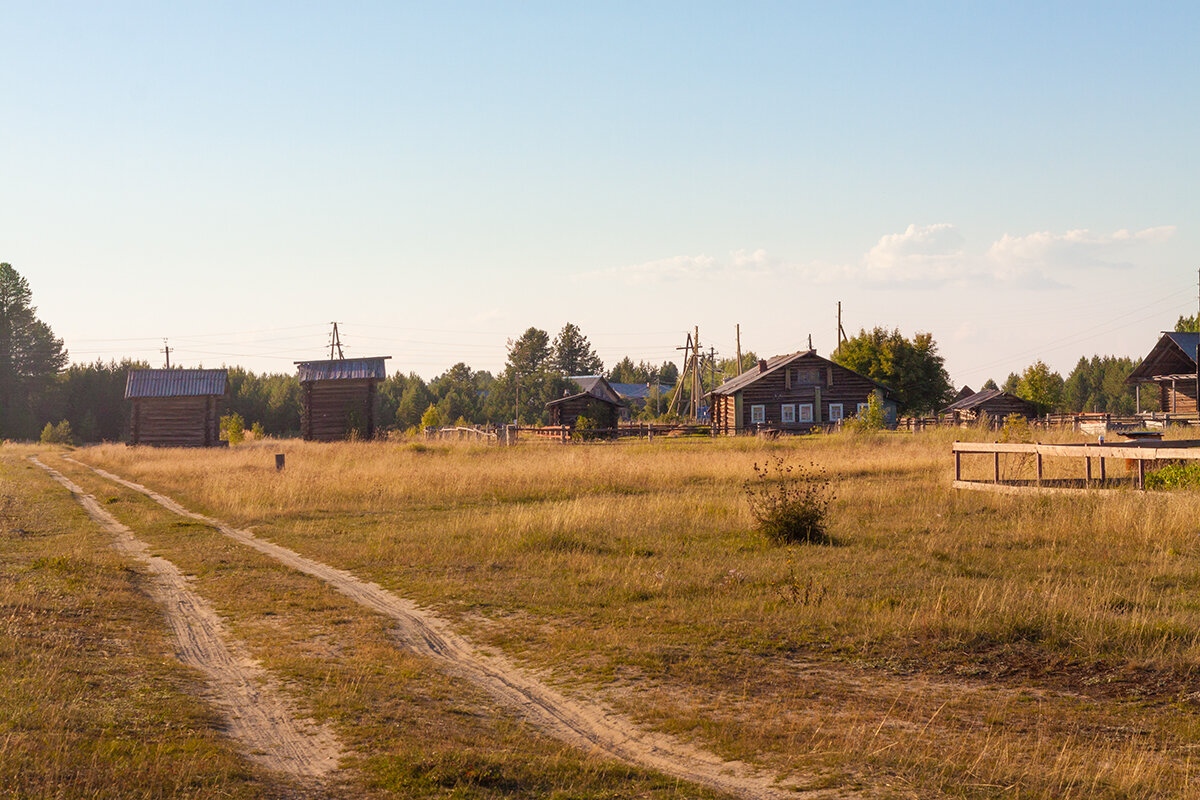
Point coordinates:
[[176, 382], [343, 369], [1186, 342], [974, 400]]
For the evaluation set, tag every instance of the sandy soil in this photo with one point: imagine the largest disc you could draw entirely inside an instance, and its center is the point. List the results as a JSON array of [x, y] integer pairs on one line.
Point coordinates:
[[582, 723], [256, 713]]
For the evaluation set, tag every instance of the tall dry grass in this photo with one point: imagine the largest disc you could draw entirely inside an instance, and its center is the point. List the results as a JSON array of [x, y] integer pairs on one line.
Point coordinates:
[[962, 642]]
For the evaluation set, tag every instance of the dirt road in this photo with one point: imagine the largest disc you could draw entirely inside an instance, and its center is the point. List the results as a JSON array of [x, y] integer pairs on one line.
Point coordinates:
[[257, 715], [581, 723]]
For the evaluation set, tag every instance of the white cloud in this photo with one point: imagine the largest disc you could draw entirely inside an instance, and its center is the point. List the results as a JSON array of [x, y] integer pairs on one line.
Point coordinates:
[[740, 263], [921, 253], [920, 256], [1045, 252]]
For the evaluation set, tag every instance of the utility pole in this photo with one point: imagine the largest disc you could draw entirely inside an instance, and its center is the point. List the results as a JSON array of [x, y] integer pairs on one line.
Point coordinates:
[[696, 376], [841, 332], [739, 348], [166, 349], [335, 344], [1197, 326]]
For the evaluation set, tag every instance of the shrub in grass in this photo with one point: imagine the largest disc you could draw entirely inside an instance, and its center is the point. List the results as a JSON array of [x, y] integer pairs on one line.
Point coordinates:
[[1174, 476], [790, 502], [57, 434]]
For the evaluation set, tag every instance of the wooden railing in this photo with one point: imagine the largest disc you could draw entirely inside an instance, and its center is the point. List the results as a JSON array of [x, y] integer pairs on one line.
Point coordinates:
[[1136, 456]]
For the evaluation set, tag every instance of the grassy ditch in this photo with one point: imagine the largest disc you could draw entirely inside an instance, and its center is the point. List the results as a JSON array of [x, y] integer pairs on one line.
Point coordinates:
[[944, 644]]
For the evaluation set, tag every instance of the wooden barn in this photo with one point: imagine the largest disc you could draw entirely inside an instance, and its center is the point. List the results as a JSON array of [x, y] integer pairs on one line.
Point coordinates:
[[596, 400], [794, 392], [176, 407], [995, 403], [1171, 365], [338, 398]]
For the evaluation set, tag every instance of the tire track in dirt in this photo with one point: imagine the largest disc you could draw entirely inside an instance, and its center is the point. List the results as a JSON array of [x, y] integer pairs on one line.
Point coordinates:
[[256, 713], [580, 723]]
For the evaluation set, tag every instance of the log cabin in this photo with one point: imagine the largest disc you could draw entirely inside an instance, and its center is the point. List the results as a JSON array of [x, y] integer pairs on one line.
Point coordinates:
[[796, 392], [596, 400], [338, 398], [1172, 365], [997, 404], [176, 407]]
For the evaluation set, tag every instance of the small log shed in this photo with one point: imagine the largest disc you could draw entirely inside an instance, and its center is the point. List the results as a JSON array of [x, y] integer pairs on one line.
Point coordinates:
[[996, 403], [596, 400], [338, 397], [176, 407]]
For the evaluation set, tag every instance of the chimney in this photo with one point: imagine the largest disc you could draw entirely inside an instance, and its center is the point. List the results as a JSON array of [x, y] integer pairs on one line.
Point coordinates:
[[762, 365]]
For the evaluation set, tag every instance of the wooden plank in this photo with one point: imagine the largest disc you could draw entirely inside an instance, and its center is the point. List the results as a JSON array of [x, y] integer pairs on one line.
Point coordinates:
[[1004, 488], [994, 447]]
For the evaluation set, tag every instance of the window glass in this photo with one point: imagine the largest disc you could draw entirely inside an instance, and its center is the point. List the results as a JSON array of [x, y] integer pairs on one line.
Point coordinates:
[[835, 412], [806, 412], [861, 408], [787, 413], [758, 413]]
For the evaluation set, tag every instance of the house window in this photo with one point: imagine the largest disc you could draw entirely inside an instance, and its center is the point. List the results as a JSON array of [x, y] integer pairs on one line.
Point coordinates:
[[787, 413], [835, 412], [861, 408], [806, 410], [807, 375], [758, 414]]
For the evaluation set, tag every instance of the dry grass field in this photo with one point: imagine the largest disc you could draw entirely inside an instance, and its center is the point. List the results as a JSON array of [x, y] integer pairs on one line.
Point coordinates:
[[946, 644]]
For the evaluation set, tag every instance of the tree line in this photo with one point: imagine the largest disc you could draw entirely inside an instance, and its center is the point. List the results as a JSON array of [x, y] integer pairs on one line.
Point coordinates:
[[38, 388]]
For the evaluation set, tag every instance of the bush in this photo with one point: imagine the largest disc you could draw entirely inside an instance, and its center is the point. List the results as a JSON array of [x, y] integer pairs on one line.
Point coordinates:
[[790, 503], [1173, 476], [233, 428], [872, 418], [57, 434], [583, 430]]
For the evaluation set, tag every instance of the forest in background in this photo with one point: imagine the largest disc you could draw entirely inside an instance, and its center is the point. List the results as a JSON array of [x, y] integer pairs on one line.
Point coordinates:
[[40, 388]]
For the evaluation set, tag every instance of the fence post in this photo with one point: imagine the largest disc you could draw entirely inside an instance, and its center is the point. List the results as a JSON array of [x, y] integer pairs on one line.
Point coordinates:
[[1039, 464], [957, 464]]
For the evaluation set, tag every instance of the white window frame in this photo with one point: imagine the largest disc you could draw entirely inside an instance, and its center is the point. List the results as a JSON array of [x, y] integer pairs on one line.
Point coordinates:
[[787, 413], [861, 408], [758, 414], [836, 413], [805, 412]]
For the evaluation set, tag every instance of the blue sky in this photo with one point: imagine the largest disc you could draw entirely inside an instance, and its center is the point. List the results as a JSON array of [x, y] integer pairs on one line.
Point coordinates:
[[1017, 179]]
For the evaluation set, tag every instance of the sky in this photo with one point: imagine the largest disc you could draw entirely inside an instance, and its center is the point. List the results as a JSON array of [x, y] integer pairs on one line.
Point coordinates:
[[1017, 179]]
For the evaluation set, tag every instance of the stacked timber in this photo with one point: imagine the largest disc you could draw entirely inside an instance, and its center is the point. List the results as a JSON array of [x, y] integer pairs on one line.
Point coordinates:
[[338, 398], [176, 407]]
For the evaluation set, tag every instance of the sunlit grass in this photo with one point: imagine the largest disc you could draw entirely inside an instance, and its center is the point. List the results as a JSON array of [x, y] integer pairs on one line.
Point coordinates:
[[964, 642]]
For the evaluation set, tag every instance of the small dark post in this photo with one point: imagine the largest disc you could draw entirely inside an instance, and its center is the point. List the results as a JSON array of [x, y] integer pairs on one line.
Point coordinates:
[[957, 465], [1141, 474], [278, 462], [996, 467], [1039, 467], [1088, 476]]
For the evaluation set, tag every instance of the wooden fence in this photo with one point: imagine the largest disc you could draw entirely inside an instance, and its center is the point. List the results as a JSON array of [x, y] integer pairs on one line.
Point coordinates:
[[1092, 472]]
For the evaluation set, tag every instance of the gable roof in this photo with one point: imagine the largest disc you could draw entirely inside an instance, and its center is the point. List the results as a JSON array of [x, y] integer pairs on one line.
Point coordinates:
[[776, 363], [176, 382], [982, 397], [640, 391], [343, 369], [1173, 353], [595, 387]]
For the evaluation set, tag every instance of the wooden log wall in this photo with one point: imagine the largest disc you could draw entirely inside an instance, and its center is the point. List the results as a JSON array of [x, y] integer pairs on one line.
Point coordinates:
[[329, 408], [175, 421], [808, 380]]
